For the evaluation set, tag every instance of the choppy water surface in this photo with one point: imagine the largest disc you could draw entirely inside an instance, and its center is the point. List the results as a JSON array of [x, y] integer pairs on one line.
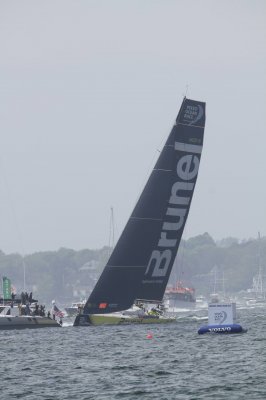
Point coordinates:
[[121, 363]]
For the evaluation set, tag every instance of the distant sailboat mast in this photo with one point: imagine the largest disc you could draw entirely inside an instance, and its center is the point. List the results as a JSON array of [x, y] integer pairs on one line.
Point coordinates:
[[260, 266], [258, 279]]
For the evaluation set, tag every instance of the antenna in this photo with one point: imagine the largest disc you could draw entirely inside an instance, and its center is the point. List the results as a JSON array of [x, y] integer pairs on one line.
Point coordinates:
[[186, 91]]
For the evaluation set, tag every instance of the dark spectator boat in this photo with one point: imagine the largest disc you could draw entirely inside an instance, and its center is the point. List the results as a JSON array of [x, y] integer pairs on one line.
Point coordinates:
[[24, 312]]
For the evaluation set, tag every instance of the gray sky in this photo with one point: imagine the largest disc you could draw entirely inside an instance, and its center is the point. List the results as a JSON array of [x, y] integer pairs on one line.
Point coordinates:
[[89, 91]]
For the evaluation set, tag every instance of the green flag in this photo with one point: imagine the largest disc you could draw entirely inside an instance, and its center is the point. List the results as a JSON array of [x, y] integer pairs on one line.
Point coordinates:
[[6, 288]]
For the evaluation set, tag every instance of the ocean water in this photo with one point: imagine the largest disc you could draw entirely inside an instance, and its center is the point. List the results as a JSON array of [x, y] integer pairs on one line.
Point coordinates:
[[121, 363]]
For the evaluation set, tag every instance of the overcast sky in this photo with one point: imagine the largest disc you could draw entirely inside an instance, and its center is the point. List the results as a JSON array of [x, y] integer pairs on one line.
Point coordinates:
[[89, 91]]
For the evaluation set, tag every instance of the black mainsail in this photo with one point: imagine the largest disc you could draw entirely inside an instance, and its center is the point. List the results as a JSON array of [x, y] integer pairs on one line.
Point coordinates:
[[141, 262]]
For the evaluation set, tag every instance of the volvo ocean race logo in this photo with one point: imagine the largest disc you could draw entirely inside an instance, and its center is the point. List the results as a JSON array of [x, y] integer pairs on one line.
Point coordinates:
[[186, 170], [193, 114], [220, 317]]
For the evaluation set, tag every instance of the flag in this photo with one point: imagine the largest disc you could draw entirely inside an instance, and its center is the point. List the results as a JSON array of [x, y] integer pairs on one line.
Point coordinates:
[[6, 288], [57, 312]]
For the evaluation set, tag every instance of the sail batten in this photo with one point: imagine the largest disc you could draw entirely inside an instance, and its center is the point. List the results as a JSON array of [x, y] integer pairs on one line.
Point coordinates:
[[147, 219], [162, 170], [125, 266], [140, 264], [192, 126]]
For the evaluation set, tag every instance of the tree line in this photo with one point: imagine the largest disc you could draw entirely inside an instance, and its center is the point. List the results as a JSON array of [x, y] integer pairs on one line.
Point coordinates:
[[67, 275]]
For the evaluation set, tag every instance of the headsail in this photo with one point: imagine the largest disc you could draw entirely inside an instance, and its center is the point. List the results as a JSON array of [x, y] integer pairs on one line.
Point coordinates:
[[142, 259]]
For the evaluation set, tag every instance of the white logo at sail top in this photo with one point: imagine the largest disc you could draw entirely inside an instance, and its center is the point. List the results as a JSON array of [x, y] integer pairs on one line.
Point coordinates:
[[186, 169], [193, 114]]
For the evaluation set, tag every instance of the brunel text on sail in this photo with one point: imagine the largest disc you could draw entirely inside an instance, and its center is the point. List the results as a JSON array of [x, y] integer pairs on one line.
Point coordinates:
[[186, 169]]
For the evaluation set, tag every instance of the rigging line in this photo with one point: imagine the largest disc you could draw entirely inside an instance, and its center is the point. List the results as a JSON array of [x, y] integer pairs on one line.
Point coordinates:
[[152, 163], [13, 212]]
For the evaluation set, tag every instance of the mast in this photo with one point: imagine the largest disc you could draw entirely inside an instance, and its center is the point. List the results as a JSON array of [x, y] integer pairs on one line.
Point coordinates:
[[24, 274], [111, 241]]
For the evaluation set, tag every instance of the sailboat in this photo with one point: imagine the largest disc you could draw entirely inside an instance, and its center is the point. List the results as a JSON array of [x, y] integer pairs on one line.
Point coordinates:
[[139, 267], [218, 295], [256, 295]]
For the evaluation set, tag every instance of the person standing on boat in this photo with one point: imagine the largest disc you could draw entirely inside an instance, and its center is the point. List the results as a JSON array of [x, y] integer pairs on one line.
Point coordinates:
[[27, 309]]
